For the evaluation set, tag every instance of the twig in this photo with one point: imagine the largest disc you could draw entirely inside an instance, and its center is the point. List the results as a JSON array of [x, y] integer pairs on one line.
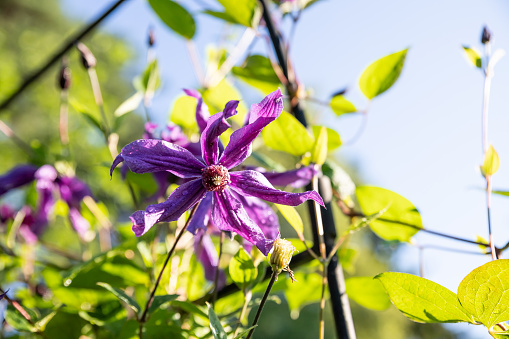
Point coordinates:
[[152, 294], [273, 278], [193, 55], [57, 55]]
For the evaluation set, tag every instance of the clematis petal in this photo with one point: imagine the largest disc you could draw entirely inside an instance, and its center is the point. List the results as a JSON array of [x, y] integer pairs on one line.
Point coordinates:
[[255, 184], [261, 214], [229, 215], [80, 224], [207, 254], [73, 190], [143, 156], [239, 147], [270, 107], [17, 177], [296, 178], [202, 111], [216, 125], [180, 200], [201, 216]]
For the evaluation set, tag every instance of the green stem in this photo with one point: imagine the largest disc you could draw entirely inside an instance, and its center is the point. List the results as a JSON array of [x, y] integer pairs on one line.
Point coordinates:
[[262, 303]]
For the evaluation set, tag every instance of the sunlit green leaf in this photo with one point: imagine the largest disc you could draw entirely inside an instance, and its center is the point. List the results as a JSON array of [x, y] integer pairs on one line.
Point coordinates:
[[319, 149], [473, 56], [503, 193], [367, 292], [340, 105], [423, 300], [122, 296], [306, 290], [382, 74], [287, 134], [215, 325], [484, 292], [480, 239], [242, 269], [292, 216], [217, 97], [129, 105], [183, 112], [175, 16], [246, 12], [399, 222], [491, 162], [333, 138], [257, 71]]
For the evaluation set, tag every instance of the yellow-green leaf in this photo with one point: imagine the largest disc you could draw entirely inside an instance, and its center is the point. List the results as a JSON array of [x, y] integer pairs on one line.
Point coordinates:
[[183, 112], [319, 151], [292, 216], [367, 292], [473, 56], [287, 134], [382, 74], [491, 162], [423, 300], [484, 292], [340, 105], [397, 221], [242, 269], [175, 16], [333, 138]]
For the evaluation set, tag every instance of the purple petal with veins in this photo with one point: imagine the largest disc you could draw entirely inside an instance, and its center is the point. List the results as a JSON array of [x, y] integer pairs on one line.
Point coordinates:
[[144, 156], [229, 215], [180, 200], [255, 184]]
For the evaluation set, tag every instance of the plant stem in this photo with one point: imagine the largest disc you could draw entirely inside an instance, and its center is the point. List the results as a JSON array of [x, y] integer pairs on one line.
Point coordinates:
[[57, 55], [193, 55], [323, 254], [485, 104], [262, 303], [216, 276], [247, 299], [5, 129], [170, 253]]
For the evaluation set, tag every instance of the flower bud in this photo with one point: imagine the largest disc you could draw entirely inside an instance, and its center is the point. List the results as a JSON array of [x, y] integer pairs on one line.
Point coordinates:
[[281, 255], [87, 58], [151, 37], [486, 35], [64, 77]]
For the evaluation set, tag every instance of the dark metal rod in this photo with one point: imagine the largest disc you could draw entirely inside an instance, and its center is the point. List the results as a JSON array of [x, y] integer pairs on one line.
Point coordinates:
[[58, 55]]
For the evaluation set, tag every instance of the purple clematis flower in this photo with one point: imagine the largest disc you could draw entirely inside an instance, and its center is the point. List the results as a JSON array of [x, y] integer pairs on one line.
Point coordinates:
[[17, 177], [3, 294], [212, 174], [207, 255]]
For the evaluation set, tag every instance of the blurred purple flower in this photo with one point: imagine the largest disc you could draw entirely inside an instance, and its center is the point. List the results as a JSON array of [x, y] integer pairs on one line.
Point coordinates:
[[207, 255], [48, 182], [211, 174], [18, 176]]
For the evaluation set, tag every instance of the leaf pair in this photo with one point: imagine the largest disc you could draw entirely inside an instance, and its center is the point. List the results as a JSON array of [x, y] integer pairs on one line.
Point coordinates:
[[482, 297]]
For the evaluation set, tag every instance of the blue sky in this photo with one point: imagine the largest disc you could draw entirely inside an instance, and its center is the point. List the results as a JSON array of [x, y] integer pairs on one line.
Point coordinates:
[[422, 138]]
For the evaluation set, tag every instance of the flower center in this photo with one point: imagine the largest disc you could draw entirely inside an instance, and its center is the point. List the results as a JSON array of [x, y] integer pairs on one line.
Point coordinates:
[[215, 178]]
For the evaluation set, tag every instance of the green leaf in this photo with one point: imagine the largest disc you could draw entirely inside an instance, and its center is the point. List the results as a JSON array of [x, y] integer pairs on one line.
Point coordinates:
[[367, 292], [382, 74], [292, 216], [503, 193], [122, 296], [175, 16], [333, 138], [400, 212], [242, 269], [287, 134], [245, 12], [491, 162], [217, 97], [306, 290], [129, 105], [423, 300], [88, 113], [484, 292], [215, 325], [17, 321], [319, 150], [257, 71], [480, 239], [340, 105], [473, 56], [160, 300], [184, 111], [42, 323]]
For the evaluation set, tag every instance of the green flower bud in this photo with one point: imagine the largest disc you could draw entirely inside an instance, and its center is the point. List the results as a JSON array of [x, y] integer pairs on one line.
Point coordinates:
[[281, 255]]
